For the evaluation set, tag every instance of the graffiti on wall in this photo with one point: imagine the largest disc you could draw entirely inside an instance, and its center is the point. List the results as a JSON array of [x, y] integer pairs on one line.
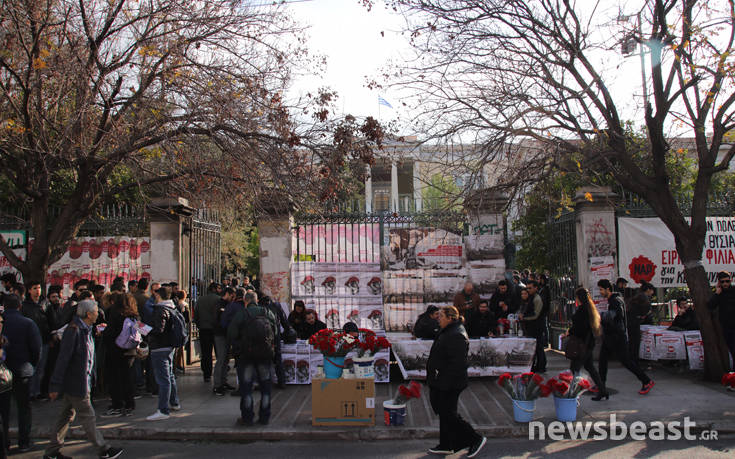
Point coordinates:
[[600, 240]]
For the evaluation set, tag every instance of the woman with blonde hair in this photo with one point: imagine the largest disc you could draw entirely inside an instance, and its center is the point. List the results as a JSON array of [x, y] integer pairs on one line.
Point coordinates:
[[446, 376], [586, 326]]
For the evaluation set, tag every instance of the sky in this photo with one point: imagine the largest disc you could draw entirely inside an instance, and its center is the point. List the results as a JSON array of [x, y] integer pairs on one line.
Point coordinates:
[[350, 37]]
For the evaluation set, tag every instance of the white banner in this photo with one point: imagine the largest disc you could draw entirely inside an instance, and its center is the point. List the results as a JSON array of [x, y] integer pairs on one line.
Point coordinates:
[[648, 252], [486, 357]]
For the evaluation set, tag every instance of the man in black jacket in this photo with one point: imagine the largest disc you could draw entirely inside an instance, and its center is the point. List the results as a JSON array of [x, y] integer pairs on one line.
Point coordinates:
[[638, 313], [205, 318], [21, 356], [42, 315], [615, 341], [686, 318], [724, 302], [427, 326], [501, 303], [481, 322]]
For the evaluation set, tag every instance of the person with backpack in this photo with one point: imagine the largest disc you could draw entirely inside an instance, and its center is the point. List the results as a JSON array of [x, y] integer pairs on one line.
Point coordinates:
[[282, 324], [252, 333], [169, 332], [120, 339]]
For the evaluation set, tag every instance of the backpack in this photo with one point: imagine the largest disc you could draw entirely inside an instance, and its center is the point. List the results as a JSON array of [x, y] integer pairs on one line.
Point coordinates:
[[259, 340], [179, 332], [129, 337]]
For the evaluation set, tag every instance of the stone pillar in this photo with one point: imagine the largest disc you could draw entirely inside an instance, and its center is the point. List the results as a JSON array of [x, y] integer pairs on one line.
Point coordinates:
[[170, 252], [369, 190], [394, 187], [274, 231], [417, 188], [485, 244], [167, 216], [596, 238]]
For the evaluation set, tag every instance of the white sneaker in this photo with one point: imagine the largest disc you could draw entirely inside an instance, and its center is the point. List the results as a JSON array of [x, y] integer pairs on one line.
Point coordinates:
[[157, 416], [176, 407]]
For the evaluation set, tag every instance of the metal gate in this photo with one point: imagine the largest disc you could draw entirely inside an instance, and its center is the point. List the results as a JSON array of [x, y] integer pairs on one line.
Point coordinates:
[[203, 259], [564, 279]]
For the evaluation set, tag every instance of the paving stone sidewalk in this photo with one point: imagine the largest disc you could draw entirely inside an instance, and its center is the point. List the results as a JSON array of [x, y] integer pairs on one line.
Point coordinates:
[[205, 416]]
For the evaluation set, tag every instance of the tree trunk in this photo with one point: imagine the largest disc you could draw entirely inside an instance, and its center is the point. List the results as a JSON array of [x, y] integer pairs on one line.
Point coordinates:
[[716, 355]]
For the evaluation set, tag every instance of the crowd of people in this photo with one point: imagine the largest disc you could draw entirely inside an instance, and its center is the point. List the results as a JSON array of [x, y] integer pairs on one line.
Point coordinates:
[[73, 348], [128, 342]]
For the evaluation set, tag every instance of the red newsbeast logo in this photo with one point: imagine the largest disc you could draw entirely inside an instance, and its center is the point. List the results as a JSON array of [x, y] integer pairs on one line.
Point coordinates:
[[642, 269]]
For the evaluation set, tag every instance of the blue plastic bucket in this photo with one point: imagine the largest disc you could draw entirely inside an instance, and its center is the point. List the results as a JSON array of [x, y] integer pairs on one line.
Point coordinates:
[[394, 415], [566, 409], [333, 367], [523, 410]]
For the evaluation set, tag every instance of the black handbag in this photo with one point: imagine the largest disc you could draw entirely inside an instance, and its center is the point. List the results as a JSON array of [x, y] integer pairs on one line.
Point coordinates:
[[6, 378], [574, 348]]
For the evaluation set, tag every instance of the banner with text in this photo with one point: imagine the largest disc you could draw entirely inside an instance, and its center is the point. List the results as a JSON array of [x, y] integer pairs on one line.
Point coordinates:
[[648, 252]]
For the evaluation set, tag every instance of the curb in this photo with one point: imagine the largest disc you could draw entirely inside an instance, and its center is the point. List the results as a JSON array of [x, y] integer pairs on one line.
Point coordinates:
[[252, 434]]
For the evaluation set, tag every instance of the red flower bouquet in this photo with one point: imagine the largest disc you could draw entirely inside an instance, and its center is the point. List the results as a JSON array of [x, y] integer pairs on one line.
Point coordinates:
[[407, 393], [332, 343], [728, 379], [370, 344], [568, 385], [503, 326], [527, 386]]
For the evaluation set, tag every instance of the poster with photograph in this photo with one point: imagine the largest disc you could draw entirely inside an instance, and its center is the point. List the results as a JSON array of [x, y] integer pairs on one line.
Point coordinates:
[[486, 240], [422, 248], [695, 349], [337, 243]]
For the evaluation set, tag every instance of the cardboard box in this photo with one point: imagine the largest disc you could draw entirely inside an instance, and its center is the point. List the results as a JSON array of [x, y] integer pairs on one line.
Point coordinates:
[[343, 402]]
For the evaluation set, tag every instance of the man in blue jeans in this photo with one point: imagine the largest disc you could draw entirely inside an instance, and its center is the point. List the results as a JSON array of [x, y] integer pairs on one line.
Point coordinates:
[[252, 333], [160, 343]]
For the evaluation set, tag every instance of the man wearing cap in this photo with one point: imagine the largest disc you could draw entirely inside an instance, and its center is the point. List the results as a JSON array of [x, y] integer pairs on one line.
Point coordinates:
[[73, 378], [22, 355]]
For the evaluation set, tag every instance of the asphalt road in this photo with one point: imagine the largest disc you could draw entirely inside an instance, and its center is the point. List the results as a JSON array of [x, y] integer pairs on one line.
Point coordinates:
[[520, 448]]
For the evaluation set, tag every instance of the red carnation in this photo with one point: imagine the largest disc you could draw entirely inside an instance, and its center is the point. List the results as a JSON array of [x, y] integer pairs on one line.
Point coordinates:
[[504, 377], [566, 376], [538, 379], [546, 390]]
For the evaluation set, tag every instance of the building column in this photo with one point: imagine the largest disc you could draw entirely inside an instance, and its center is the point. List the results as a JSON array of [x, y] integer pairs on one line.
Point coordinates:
[[393, 187], [596, 239], [417, 188], [369, 190], [274, 230]]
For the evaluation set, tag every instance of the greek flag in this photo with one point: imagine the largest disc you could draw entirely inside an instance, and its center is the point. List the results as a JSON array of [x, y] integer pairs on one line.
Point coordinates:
[[382, 101]]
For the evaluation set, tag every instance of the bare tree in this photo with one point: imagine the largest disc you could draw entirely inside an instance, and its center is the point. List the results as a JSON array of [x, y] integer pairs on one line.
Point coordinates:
[[186, 94], [499, 72]]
